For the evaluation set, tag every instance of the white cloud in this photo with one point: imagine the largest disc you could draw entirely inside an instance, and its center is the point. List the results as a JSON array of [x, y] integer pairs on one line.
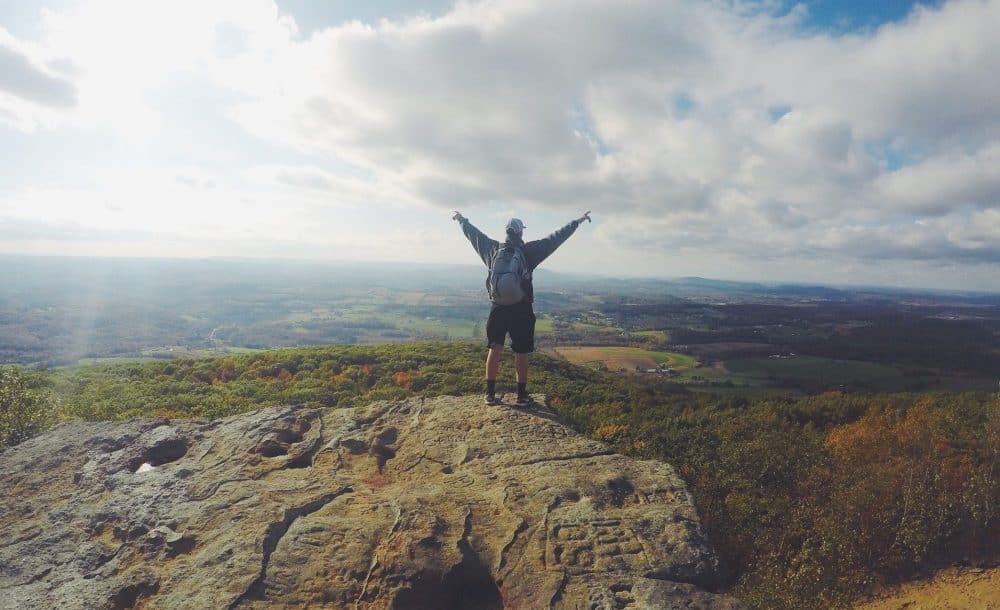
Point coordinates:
[[106, 61], [32, 91], [479, 105], [945, 182], [709, 129]]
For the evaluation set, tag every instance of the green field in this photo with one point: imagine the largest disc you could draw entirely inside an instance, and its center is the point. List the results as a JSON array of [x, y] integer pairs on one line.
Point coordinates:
[[625, 358], [109, 360], [813, 371], [587, 327], [179, 351], [373, 317], [453, 328], [159, 354], [306, 316], [655, 335]]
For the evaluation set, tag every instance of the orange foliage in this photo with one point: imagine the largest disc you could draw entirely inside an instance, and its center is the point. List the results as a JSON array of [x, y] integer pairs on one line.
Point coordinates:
[[896, 481], [881, 435], [610, 432], [402, 379]]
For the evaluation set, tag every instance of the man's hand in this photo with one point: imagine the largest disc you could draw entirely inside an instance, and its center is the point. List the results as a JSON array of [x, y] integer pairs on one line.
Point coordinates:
[[458, 216], [586, 216]]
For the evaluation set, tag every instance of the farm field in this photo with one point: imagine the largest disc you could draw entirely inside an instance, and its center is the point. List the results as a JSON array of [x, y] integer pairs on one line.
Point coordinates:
[[826, 372], [655, 335], [625, 358], [587, 327], [375, 319], [179, 351], [109, 360], [165, 353], [452, 328]]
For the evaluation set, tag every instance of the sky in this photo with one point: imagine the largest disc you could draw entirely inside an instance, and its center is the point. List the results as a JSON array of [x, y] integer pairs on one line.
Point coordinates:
[[828, 141]]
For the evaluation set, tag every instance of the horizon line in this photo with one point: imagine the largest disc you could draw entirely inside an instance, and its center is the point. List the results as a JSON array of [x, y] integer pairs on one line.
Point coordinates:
[[587, 276]]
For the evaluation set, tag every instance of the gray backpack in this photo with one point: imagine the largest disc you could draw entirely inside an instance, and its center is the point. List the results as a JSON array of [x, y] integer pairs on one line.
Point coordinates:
[[508, 272]]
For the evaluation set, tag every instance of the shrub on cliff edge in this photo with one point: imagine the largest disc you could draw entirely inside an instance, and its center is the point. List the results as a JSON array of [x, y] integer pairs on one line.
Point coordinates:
[[24, 411]]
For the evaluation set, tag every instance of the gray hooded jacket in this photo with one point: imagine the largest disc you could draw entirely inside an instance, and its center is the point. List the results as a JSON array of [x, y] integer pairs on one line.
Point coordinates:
[[534, 251]]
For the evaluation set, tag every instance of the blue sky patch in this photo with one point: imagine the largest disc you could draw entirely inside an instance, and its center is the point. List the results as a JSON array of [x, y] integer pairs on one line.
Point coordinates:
[[682, 105], [776, 112], [843, 16], [584, 126], [892, 154]]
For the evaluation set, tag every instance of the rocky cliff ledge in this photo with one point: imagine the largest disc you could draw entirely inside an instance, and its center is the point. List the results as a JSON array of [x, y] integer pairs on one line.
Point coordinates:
[[438, 503]]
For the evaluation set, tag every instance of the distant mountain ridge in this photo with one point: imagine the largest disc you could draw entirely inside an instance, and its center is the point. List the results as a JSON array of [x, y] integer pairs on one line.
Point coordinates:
[[51, 271]]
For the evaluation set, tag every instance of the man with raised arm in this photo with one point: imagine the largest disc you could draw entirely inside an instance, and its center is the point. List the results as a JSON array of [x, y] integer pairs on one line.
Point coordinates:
[[511, 294]]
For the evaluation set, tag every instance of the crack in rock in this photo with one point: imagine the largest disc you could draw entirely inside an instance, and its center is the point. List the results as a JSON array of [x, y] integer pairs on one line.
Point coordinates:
[[563, 458], [275, 532], [522, 527]]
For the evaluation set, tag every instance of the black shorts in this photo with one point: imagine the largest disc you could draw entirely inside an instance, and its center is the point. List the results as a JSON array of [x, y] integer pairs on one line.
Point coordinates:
[[516, 320]]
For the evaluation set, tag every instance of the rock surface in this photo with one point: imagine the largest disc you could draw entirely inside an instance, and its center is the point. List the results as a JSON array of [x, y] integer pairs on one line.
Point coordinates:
[[437, 503]]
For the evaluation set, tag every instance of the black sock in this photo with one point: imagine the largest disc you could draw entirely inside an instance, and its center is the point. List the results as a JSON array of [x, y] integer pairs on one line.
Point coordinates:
[[522, 389], [491, 386]]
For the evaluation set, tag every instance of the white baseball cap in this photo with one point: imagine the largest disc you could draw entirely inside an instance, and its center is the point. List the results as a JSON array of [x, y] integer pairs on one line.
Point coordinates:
[[515, 225]]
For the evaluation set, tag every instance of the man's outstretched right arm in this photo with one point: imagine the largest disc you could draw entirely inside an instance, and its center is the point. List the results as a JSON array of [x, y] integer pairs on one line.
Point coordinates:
[[484, 246]]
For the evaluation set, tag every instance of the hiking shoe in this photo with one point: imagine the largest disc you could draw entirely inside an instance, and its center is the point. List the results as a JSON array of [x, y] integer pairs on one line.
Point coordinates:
[[491, 399], [524, 400]]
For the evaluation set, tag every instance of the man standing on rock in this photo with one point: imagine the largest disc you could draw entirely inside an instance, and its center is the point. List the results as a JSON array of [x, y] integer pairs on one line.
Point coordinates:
[[511, 294]]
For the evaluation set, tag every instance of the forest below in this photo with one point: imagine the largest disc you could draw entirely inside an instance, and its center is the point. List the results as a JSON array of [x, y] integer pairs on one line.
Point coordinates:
[[810, 500]]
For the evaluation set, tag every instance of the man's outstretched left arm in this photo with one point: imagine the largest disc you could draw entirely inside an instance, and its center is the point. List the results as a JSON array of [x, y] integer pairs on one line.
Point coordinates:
[[539, 250]]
